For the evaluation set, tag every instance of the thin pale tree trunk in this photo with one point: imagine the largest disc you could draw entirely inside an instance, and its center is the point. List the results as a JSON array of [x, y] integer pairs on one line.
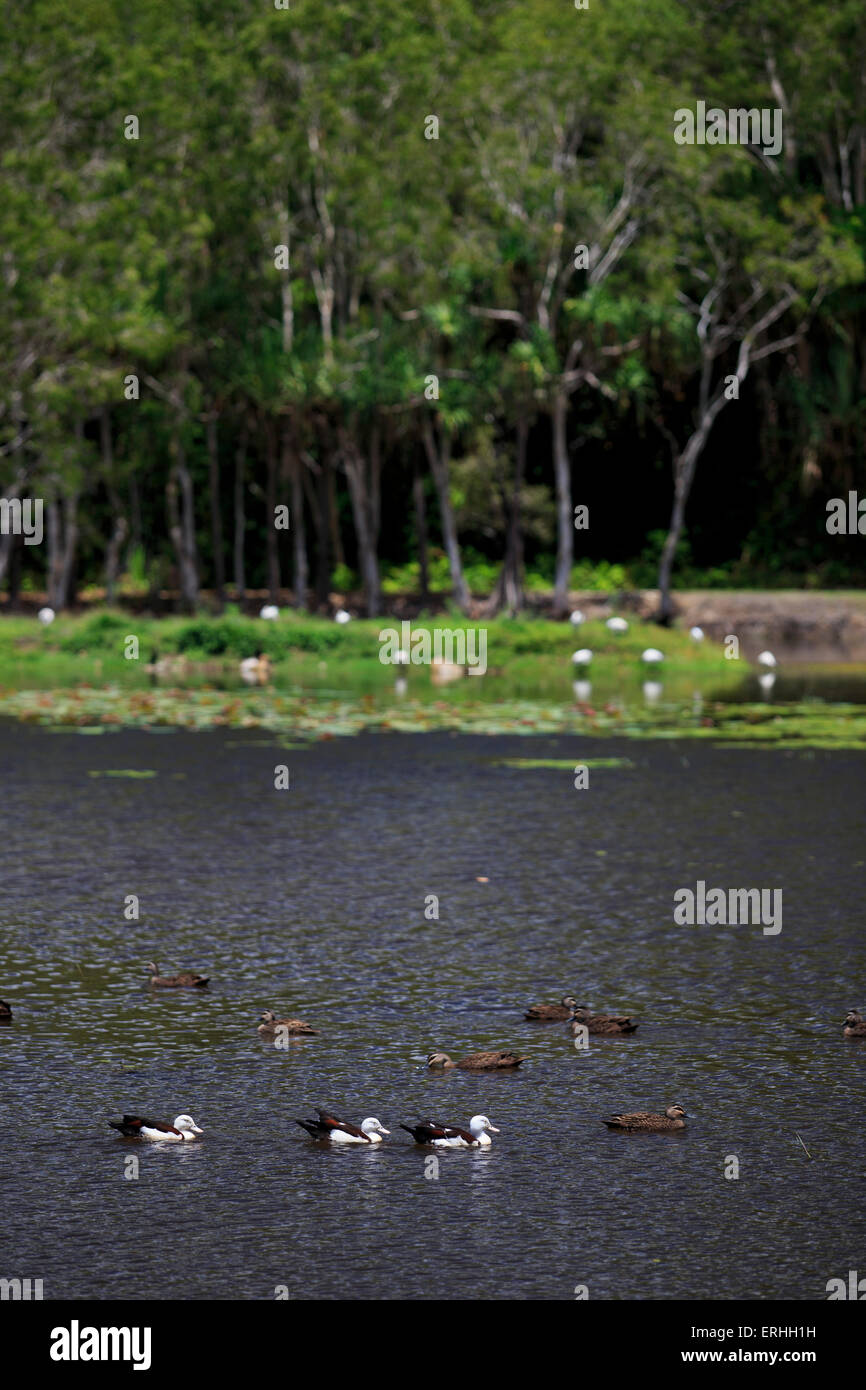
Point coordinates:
[[438, 460]]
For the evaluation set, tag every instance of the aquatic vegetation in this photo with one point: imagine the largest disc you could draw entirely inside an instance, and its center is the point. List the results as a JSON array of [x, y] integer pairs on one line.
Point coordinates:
[[304, 717]]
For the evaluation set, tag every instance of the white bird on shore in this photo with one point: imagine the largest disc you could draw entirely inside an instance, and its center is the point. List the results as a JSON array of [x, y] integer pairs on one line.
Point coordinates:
[[616, 625], [582, 657], [46, 616], [577, 618], [652, 691], [696, 634], [341, 616], [270, 612], [652, 656], [766, 659]]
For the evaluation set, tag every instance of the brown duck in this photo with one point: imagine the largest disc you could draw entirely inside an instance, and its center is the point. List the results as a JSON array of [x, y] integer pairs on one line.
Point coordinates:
[[854, 1025], [551, 1013], [674, 1118], [476, 1061], [610, 1024], [5, 1012], [270, 1025], [187, 979]]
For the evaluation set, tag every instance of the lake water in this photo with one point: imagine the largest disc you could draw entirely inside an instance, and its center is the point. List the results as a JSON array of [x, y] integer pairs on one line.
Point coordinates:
[[311, 902]]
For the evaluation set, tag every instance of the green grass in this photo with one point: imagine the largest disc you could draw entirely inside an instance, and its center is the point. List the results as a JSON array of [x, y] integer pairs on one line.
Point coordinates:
[[328, 680]]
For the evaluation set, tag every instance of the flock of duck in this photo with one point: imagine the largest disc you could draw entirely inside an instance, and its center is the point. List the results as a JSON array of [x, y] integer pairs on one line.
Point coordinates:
[[330, 1129]]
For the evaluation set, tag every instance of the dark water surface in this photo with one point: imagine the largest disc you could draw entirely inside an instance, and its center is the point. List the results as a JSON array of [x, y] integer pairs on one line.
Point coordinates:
[[312, 901]]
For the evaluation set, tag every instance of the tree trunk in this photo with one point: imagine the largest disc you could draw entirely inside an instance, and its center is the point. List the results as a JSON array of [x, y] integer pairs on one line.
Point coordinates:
[[62, 546], [293, 467], [216, 515], [272, 539], [421, 529], [564, 509], [359, 494], [334, 514], [240, 519], [181, 525], [438, 460], [317, 499], [508, 592], [119, 525], [7, 541]]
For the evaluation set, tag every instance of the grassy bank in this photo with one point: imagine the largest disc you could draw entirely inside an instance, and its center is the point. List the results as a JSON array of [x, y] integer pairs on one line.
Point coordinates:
[[328, 681]]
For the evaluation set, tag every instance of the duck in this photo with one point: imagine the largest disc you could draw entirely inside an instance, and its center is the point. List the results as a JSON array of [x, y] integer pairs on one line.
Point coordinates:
[[5, 1012], [674, 1118], [446, 672], [600, 1023], [134, 1127], [165, 666], [271, 1025], [340, 1132], [451, 1136], [255, 670], [551, 1013], [187, 979], [854, 1025], [476, 1061]]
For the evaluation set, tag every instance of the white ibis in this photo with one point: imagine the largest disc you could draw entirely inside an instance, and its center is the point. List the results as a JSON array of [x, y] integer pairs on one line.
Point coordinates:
[[582, 657], [696, 634], [616, 625], [341, 616], [46, 616], [577, 618], [270, 612], [767, 659], [652, 656]]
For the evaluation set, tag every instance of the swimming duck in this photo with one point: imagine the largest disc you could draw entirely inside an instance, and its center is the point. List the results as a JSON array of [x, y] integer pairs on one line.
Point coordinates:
[[476, 1061], [854, 1025], [184, 1128], [451, 1136], [270, 1025], [187, 979], [5, 1012], [340, 1132], [673, 1118], [600, 1023], [256, 670], [544, 1013]]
